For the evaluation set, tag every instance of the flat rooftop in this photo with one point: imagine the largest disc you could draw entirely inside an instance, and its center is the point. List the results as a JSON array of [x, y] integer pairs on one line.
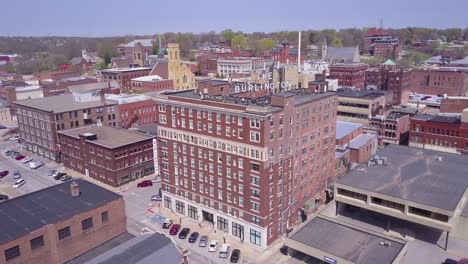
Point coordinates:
[[302, 96], [127, 98], [345, 128], [361, 140], [127, 69], [109, 137], [61, 103], [355, 93], [348, 242], [427, 177], [24, 214]]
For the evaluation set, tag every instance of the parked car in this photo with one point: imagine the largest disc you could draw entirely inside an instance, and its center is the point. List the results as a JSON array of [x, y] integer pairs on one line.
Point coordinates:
[[193, 237], [35, 164], [203, 241], [174, 229], [4, 197], [156, 198], [60, 176], [55, 173], [51, 172], [26, 160], [16, 175], [66, 178], [8, 152], [13, 138], [3, 174], [156, 180], [2, 127], [213, 246], [235, 256], [224, 251], [20, 157], [167, 223], [184, 233], [14, 154], [145, 183], [19, 183], [450, 261]]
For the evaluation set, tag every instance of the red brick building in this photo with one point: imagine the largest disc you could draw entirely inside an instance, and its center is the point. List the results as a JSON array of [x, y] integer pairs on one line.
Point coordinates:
[[453, 104], [40, 119], [57, 75], [134, 109], [248, 166], [440, 81], [50, 87], [110, 155], [213, 87], [391, 128], [59, 223], [124, 76], [349, 74], [390, 78], [442, 133], [378, 42], [286, 55], [151, 83]]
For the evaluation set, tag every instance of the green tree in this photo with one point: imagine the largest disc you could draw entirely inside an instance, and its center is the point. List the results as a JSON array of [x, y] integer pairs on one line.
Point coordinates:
[[227, 35], [155, 48], [312, 37], [337, 42], [261, 45], [107, 58], [239, 42]]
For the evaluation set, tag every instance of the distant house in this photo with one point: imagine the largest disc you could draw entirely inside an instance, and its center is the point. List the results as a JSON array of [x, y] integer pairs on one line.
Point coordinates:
[[286, 55], [86, 62]]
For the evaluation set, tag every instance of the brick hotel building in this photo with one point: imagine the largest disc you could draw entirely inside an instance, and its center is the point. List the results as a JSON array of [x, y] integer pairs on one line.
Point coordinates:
[[250, 167]]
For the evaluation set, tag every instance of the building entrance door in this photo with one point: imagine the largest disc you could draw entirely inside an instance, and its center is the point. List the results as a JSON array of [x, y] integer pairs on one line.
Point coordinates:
[[208, 217]]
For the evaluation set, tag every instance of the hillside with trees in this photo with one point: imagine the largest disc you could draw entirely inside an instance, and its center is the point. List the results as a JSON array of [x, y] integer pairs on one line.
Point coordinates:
[[42, 53]]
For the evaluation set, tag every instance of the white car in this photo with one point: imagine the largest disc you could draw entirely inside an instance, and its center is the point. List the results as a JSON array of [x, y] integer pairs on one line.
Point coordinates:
[[19, 183], [156, 180], [26, 160], [14, 138], [213, 246]]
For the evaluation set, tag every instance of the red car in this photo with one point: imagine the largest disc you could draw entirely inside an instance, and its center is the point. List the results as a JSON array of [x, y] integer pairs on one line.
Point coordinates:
[[174, 229], [3, 174], [145, 183], [20, 157]]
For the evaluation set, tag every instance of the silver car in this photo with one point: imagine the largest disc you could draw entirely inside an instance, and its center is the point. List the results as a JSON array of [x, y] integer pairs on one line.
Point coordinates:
[[203, 241]]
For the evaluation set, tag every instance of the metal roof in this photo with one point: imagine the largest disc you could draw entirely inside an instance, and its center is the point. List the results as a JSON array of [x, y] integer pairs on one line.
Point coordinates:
[[360, 141], [427, 177], [62, 103], [345, 128], [144, 249], [24, 214]]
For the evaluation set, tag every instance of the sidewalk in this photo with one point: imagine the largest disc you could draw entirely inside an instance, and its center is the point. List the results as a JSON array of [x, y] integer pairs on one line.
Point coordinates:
[[250, 252]]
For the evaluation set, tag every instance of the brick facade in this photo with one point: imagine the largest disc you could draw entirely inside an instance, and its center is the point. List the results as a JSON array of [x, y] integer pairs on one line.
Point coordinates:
[[435, 82], [249, 170], [349, 74]]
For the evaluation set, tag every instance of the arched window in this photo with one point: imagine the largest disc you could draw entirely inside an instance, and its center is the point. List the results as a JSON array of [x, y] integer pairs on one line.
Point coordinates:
[[170, 55]]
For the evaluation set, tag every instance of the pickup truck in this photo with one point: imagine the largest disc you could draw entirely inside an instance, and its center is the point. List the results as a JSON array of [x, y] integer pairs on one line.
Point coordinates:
[[35, 164]]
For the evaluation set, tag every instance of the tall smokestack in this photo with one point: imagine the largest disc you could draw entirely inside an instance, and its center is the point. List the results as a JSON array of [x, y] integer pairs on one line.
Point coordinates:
[[299, 54]]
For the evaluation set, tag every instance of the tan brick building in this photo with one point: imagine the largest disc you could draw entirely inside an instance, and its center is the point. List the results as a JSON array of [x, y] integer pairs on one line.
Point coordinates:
[[58, 223]]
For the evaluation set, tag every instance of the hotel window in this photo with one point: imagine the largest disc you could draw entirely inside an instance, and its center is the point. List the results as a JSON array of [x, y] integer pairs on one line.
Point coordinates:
[[222, 224], [180, 207], [255, 167], [218, 117], [192, 212], [255, 206], [255, 237], [241, 201], [254, 123], [254, 136], [218, 129], [210, 128], [238, 230]]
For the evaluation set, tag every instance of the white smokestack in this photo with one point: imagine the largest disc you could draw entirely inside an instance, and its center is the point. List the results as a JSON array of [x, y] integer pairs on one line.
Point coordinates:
[[299, 54]]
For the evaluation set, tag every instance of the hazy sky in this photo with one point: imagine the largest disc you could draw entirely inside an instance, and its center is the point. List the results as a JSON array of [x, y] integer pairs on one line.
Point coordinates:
[[137, 17]]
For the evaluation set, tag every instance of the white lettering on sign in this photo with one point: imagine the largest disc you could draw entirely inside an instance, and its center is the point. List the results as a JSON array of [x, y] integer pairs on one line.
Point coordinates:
[[253, 87]]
